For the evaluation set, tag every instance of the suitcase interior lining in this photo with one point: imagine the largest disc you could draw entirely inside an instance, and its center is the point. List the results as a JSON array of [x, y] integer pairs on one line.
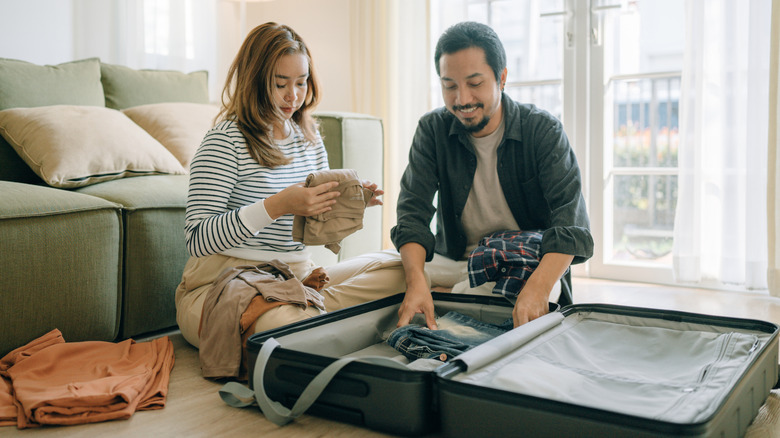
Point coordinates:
[[561, 365]]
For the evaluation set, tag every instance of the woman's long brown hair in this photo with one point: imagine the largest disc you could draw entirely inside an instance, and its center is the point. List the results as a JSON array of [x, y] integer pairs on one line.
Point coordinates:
[[247, 97]]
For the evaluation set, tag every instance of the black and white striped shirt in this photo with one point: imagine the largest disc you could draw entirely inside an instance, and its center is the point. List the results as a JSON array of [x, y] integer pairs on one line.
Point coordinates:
[[224, 178]]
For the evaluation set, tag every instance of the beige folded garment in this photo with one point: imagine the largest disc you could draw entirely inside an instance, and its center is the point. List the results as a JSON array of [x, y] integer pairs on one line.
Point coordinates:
[[345, 217]]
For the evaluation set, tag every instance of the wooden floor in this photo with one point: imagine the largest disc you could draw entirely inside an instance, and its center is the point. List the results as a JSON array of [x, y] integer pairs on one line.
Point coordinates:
[[194, 409]]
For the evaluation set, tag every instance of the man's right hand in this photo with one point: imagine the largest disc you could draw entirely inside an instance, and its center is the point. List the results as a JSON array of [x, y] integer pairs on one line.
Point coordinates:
[[417, 300], [418, 297]]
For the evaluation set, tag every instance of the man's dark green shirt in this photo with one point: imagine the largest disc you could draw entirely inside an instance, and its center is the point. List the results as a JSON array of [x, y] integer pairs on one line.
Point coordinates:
[[537, 169]]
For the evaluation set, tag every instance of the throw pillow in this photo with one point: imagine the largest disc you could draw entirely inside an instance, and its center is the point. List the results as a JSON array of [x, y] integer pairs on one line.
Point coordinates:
[[74, 146], [23, 84], [125, 87], [179, 126]]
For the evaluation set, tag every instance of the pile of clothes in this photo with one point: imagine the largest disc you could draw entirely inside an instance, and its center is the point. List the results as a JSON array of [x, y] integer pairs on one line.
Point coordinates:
[[52, 382]]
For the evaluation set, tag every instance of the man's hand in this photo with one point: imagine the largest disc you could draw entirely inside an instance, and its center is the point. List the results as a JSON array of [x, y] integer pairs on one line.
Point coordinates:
[[532, 302], [418, 297], [417, 300]]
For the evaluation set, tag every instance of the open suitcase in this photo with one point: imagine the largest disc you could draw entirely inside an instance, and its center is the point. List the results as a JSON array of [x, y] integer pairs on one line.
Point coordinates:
[[584, 370]]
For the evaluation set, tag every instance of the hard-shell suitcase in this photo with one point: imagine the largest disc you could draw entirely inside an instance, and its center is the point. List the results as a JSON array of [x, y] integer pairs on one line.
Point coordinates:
[[394, 400], [600, 370]]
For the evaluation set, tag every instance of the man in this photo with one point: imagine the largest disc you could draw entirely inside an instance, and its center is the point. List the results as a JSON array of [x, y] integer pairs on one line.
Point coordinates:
[[496, 165]]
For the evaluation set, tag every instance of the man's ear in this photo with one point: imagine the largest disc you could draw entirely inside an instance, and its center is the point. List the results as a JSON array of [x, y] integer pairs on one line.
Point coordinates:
[[503, 78]]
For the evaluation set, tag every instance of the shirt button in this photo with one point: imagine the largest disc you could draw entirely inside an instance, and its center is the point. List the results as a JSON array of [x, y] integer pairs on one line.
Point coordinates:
[[503, 270]]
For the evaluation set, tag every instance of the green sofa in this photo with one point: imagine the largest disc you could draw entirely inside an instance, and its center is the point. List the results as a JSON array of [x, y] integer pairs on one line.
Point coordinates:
[[93, 187]]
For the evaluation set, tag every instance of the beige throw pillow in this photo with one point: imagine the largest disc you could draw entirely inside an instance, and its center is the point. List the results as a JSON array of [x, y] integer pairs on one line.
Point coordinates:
[[178, 126], [74, 146]]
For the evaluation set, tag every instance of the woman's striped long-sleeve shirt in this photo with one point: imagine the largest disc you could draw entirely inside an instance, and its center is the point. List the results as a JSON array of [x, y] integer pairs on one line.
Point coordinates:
[[224, 178]]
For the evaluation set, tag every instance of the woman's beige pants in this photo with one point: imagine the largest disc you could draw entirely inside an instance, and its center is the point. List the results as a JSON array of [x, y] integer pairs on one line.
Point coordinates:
[[355, 281]]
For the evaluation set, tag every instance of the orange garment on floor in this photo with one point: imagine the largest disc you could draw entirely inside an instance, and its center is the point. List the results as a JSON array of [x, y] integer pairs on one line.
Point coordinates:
[[8, 409], [52, 382]]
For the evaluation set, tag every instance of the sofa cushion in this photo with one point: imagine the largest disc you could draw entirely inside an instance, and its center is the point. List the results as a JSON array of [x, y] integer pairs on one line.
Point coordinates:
[[125, 87], [23, 84], [59, 265], [13, 168], [154, 252], [179, 126], [73, 146]]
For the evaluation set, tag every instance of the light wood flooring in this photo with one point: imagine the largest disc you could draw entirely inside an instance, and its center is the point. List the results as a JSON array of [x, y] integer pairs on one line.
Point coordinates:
[[194, 409]]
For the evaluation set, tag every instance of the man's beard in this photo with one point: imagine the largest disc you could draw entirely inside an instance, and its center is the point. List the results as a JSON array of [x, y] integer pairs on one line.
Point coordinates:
[[478, 127], [474, 127]]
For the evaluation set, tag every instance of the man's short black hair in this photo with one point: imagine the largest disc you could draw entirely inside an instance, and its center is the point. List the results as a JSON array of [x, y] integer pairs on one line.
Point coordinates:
[[472, 34]]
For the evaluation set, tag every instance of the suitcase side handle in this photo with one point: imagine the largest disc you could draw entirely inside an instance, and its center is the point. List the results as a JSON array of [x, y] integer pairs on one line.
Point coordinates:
[[237, 395]]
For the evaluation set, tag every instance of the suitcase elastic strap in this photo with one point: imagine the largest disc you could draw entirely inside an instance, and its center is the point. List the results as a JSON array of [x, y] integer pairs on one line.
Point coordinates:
[[237, 395]]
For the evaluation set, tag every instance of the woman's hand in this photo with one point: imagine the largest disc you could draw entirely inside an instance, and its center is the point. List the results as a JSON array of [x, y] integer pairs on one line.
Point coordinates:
[[303, 201], [377, 192]]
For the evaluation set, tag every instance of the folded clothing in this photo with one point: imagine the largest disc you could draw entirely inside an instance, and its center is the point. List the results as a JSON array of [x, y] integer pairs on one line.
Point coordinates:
[[456, 334], [506, 257], [345, 216], [238, 297], [51, 382]]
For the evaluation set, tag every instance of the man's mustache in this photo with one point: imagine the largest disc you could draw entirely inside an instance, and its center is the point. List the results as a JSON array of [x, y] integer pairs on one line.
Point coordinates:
[[466, 107]]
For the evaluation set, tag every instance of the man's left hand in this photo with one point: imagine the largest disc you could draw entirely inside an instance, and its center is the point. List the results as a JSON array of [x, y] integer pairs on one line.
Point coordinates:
[[532, 302]]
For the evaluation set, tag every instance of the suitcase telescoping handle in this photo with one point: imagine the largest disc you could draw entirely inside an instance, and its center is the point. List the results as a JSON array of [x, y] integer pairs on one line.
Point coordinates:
[[508, 342], [239, 396]]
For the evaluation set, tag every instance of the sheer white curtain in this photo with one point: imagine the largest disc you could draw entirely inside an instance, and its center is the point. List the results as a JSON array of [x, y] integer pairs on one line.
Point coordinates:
[[156, 34], [773, 186], [720, 225], [390, 79]]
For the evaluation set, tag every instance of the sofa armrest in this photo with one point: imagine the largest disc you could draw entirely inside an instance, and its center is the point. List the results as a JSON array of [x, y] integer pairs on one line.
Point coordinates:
[[354, 141]]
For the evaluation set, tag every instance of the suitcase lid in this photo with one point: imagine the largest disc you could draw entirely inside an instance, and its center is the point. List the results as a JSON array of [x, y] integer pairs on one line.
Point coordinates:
[[755, 340]]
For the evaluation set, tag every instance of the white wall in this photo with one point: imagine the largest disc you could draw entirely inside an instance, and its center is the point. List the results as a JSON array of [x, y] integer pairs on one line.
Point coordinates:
[[325, 27], [37, 31], [49, 32]]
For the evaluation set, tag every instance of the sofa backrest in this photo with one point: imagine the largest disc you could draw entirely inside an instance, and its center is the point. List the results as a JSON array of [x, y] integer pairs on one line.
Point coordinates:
[[86, 82], [354, 141]]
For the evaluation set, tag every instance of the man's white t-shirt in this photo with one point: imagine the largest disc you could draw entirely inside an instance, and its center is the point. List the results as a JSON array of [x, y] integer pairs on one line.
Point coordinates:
[[486, 208]]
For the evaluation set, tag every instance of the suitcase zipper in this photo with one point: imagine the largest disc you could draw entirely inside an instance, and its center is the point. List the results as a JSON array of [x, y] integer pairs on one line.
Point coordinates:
[[726, 345]]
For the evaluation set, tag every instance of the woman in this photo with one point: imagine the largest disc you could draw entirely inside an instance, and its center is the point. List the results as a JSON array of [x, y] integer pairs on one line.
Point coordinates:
[[246, 183]]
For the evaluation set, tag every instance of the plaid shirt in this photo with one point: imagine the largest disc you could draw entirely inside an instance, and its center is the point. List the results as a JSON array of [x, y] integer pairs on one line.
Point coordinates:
[[506, 257]]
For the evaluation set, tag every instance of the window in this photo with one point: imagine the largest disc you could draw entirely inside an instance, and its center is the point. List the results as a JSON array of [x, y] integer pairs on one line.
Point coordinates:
[[154, 34], [620, 76], [532, 33], [641, 56]]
